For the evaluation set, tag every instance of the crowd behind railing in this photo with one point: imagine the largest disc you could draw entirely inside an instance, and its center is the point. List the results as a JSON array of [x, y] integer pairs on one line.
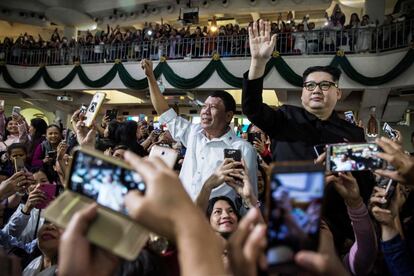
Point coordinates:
[[156, 40]]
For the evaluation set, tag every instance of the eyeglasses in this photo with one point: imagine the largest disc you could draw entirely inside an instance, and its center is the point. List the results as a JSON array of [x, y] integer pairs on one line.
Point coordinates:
[[323, 85]]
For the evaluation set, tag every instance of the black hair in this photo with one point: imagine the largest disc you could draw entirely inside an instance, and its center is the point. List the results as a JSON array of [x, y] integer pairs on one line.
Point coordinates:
[[56, 126], [333, 71], [16, 146], [213, 201], [40, 127], [126, 134], [120, 147], [227, 98], [412, 135], [113, 125]]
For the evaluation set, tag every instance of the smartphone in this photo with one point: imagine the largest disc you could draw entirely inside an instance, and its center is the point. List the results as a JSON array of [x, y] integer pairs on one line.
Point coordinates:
[[93, 108], [19, 164], [83, 109], [1, 104], [52, 154], [353, 157], [349, 117], [234, 154], [50, 192], [293, 212], [391, 133], [16, 110], [319, 149], [94, 177], [390, 191], [254, 136], [168, 155], [111, 114]]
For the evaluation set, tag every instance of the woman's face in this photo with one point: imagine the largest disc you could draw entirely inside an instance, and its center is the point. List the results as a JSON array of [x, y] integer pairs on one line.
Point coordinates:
[[53, 135], [223, 219], [12, 127], [49, 237]]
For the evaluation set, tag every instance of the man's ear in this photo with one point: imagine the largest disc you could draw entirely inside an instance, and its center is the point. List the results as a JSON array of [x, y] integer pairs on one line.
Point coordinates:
[[229, 116], [339, 94]]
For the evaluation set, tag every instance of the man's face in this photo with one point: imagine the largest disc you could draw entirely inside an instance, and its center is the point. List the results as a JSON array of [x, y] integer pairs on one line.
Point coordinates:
[[213, 115], [319, 101]]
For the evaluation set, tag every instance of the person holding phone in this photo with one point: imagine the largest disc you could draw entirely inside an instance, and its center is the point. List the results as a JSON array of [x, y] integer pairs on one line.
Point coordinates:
[[16, 131], [206, 141], [45, 152], [296, 130]]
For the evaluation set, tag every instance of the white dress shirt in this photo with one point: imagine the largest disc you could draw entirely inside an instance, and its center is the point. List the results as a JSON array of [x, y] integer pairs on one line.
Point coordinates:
[[203, 156]]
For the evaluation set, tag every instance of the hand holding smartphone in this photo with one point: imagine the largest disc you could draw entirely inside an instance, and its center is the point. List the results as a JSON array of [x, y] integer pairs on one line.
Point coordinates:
[[94, 177], [49, 190], [293, 211]]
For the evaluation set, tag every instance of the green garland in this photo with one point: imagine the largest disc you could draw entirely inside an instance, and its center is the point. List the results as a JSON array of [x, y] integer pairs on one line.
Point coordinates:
[[215, 65]]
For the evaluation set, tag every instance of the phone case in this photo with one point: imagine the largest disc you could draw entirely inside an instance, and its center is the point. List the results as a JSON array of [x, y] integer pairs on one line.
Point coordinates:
[[94, 107], [168, 155], [50, 191], [19, 165], [111, 230]]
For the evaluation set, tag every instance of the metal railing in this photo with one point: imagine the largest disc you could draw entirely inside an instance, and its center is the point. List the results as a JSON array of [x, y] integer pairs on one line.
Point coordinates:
[[325, 41]]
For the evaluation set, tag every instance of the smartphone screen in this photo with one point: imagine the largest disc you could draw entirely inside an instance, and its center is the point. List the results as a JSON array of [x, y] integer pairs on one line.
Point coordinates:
[[234, 154], [391, 133], [103, 181], [294, 210], [353, 157], [349, 116]]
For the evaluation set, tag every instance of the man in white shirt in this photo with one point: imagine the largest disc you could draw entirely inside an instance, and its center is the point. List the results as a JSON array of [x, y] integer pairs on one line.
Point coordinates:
[[205, 142]]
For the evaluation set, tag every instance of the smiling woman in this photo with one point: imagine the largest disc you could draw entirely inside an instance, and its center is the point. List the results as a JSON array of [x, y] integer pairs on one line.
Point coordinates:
[[223, 216]]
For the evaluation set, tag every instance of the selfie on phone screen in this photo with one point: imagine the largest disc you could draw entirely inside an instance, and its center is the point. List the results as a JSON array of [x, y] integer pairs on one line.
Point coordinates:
[[104, 182]]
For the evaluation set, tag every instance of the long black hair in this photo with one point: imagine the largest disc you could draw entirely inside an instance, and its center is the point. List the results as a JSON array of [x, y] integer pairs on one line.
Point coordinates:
[[40, 127]]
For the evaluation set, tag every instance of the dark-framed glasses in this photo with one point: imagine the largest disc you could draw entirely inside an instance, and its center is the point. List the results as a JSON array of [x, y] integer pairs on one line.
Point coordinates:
[[323, 85]]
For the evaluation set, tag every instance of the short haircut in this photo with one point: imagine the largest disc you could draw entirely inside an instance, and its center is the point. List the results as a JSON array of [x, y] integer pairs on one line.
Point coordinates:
[[16, 146], [228, 100], [333, 71], [213, 201]]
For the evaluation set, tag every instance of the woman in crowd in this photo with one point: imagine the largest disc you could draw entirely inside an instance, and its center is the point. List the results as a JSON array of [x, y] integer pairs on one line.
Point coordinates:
[[15, 131], [37, 131], [126, 134], [45, 153], [48, 239]]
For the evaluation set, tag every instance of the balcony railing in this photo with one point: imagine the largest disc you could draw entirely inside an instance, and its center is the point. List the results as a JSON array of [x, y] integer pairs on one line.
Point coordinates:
[[326, 41]]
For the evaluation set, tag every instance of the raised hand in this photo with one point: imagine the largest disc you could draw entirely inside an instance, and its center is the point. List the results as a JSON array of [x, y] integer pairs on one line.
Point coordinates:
[[395, 156], [146, 65], [261, 44], [347, 186]]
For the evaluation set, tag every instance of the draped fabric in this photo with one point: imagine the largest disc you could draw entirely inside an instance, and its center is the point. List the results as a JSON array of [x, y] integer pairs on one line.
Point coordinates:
[[215, 65]]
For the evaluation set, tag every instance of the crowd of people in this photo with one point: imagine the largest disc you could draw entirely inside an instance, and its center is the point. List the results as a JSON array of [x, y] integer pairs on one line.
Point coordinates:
[[156, 40], [210, 210]]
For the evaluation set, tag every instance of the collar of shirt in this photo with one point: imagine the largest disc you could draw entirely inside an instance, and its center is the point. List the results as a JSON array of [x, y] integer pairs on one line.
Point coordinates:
[[227, 138]]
